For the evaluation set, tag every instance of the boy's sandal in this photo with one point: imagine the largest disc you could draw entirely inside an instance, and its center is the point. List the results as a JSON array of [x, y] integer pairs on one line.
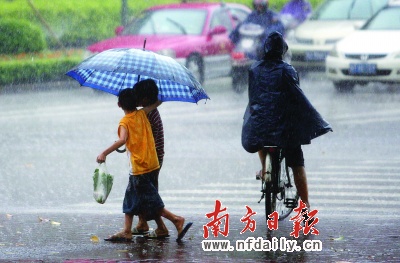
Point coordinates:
[[137, 232], [183, 232], [153, 235], [119, 237]]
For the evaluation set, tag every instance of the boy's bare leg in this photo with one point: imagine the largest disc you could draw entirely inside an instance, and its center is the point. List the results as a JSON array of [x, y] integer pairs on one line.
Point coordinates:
[[142, 224], [126, 232], [178, 221], [161, 228], [300, 179], [128, 225]]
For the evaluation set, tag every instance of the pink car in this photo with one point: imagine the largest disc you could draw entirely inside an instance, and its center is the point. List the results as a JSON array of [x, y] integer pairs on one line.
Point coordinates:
[[195, 34]]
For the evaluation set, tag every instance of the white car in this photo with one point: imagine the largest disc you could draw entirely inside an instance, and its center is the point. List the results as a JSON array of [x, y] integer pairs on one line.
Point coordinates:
[[312, 40], [371, 54]]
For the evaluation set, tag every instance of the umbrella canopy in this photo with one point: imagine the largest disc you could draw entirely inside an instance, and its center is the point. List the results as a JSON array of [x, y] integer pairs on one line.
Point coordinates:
[[116, 69]]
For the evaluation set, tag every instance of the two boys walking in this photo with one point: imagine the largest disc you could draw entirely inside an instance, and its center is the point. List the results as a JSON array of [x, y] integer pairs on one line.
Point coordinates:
[[141, 196]]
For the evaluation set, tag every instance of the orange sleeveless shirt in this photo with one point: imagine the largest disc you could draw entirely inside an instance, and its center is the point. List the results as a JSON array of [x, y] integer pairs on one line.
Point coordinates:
[[140, 142]]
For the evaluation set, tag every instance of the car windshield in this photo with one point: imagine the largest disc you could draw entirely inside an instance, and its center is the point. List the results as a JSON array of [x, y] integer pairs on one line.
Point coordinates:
[[387, 19], [347, 9], [168, 21]]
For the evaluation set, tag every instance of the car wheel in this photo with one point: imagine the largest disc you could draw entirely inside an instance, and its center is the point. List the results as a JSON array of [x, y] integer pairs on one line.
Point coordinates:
[[195, 65], [344, 86], [240, 80]]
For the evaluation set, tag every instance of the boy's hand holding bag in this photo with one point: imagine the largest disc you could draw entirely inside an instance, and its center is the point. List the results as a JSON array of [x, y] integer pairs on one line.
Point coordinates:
[[102, 183]]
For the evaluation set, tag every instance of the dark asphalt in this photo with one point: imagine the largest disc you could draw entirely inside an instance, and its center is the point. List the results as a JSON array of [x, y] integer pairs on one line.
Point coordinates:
[[69, 237]]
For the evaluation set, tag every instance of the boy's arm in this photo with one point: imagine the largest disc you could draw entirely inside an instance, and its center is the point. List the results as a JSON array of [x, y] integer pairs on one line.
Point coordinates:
[[123, 135], [151, 107]]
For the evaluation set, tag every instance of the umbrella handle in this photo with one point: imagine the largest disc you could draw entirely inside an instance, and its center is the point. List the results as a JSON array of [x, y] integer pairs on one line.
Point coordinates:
[[144, 48], [144, 44]]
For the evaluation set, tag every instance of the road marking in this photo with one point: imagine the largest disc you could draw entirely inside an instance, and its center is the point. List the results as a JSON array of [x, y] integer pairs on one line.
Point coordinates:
[[374, 113], [367, 168]]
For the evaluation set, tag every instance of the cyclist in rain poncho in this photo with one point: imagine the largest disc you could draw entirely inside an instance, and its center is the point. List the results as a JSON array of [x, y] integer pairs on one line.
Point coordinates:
[[278, 112]]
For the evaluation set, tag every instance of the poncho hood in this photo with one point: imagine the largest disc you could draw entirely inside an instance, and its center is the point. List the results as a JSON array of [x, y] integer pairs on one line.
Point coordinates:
[[275, 45]]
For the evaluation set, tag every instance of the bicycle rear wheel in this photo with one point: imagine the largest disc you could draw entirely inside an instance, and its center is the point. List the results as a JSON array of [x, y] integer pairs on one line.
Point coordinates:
[[287, 198], [267, 187], [270, 203]]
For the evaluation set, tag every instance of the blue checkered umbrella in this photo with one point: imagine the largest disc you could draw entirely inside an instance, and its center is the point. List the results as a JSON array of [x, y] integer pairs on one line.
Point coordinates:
[[117, 69]]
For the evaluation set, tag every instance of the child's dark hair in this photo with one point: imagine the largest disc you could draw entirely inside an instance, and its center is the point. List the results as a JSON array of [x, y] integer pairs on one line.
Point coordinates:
[[127, 99], [146, 92]]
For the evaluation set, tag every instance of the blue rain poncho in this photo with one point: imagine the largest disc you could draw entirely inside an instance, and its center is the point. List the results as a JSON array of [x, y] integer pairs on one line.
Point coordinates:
[[278, 112]]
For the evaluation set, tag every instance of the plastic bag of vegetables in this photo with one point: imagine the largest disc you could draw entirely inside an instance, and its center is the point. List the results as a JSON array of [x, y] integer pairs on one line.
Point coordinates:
[[102, 183]]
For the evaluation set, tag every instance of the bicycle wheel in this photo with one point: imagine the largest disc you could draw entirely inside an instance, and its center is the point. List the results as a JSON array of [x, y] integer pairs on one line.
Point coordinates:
[[287, 197], [267, 187], [270, 200]]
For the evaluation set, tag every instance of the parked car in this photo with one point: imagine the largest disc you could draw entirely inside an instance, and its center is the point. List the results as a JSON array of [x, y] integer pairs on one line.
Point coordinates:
[[330, 22], [371, 54], [195, 34]]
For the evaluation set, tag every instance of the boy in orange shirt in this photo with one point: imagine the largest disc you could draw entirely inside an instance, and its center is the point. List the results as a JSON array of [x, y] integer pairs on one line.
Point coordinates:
[[141, 197]]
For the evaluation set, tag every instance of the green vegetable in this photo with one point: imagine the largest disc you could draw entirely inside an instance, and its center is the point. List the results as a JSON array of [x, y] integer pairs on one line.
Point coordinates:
[[102, 184], [95, 178]]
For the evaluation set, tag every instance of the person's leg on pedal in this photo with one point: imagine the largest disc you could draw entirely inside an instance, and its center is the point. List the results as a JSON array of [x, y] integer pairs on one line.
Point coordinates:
[[263, 156], [295, 160], [300, 180]]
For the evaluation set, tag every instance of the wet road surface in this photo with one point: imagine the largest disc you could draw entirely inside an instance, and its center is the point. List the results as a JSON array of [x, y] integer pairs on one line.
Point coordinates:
[[343, 240], [51, 137]]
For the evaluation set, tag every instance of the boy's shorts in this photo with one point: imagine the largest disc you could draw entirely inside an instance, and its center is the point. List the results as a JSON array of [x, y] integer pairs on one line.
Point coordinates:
[[294, 156], [141, 197], [154, 178]]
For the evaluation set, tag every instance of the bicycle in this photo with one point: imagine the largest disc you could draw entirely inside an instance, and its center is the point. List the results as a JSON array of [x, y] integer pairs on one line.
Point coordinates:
[[277, 184]]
